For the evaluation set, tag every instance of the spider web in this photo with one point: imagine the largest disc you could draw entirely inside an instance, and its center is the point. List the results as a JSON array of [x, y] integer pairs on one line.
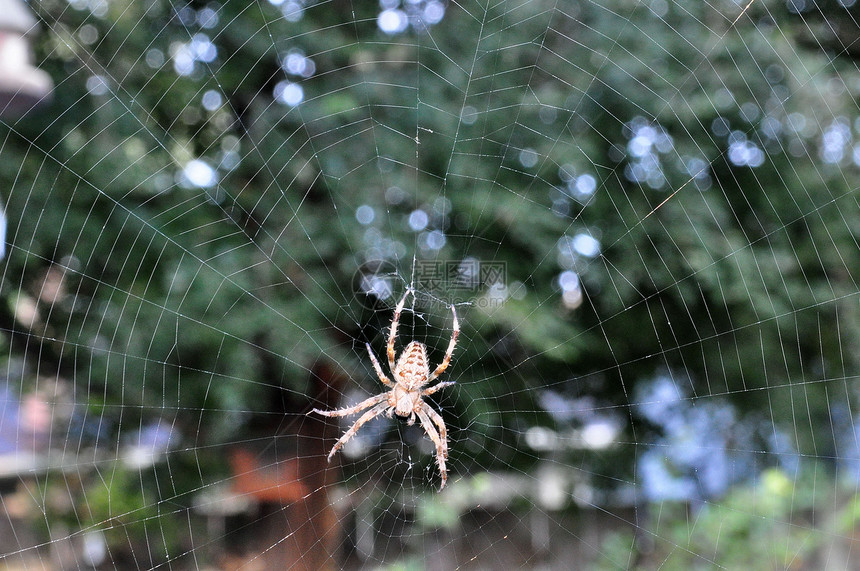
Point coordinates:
[[644, 213]]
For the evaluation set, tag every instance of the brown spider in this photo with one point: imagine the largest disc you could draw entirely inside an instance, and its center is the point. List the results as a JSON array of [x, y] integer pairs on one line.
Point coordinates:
[[411, 375]]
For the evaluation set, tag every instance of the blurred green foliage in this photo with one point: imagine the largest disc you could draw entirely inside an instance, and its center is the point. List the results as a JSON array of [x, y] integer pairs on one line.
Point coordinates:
[[198, 302], [774, 523]]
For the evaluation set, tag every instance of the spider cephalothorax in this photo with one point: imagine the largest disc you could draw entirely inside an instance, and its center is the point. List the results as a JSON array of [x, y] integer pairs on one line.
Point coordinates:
[[411, 375]]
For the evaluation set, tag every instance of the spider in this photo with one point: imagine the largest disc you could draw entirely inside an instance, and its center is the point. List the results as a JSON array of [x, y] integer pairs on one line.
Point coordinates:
[[411, 376]]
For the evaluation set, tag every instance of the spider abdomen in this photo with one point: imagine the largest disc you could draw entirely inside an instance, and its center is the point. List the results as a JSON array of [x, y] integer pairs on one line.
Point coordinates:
[[412, 370]]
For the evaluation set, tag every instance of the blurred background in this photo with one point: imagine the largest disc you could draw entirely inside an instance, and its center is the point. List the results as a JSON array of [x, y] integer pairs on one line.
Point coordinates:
[[645, 213]]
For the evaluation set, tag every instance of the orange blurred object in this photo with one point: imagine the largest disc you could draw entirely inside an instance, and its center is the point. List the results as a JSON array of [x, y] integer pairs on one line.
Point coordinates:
[[274, 481]]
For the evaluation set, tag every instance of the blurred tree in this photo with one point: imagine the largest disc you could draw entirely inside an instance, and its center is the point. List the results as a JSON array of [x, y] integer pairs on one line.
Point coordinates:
[[658, 184]]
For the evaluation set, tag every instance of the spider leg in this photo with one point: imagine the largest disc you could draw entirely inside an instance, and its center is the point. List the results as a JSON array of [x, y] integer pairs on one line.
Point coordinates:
[[353, 409], [454, 333], [443, 431], [440, 439], [435, 388], [385, 380], [370, 414], [443, 435], [393, 334]]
